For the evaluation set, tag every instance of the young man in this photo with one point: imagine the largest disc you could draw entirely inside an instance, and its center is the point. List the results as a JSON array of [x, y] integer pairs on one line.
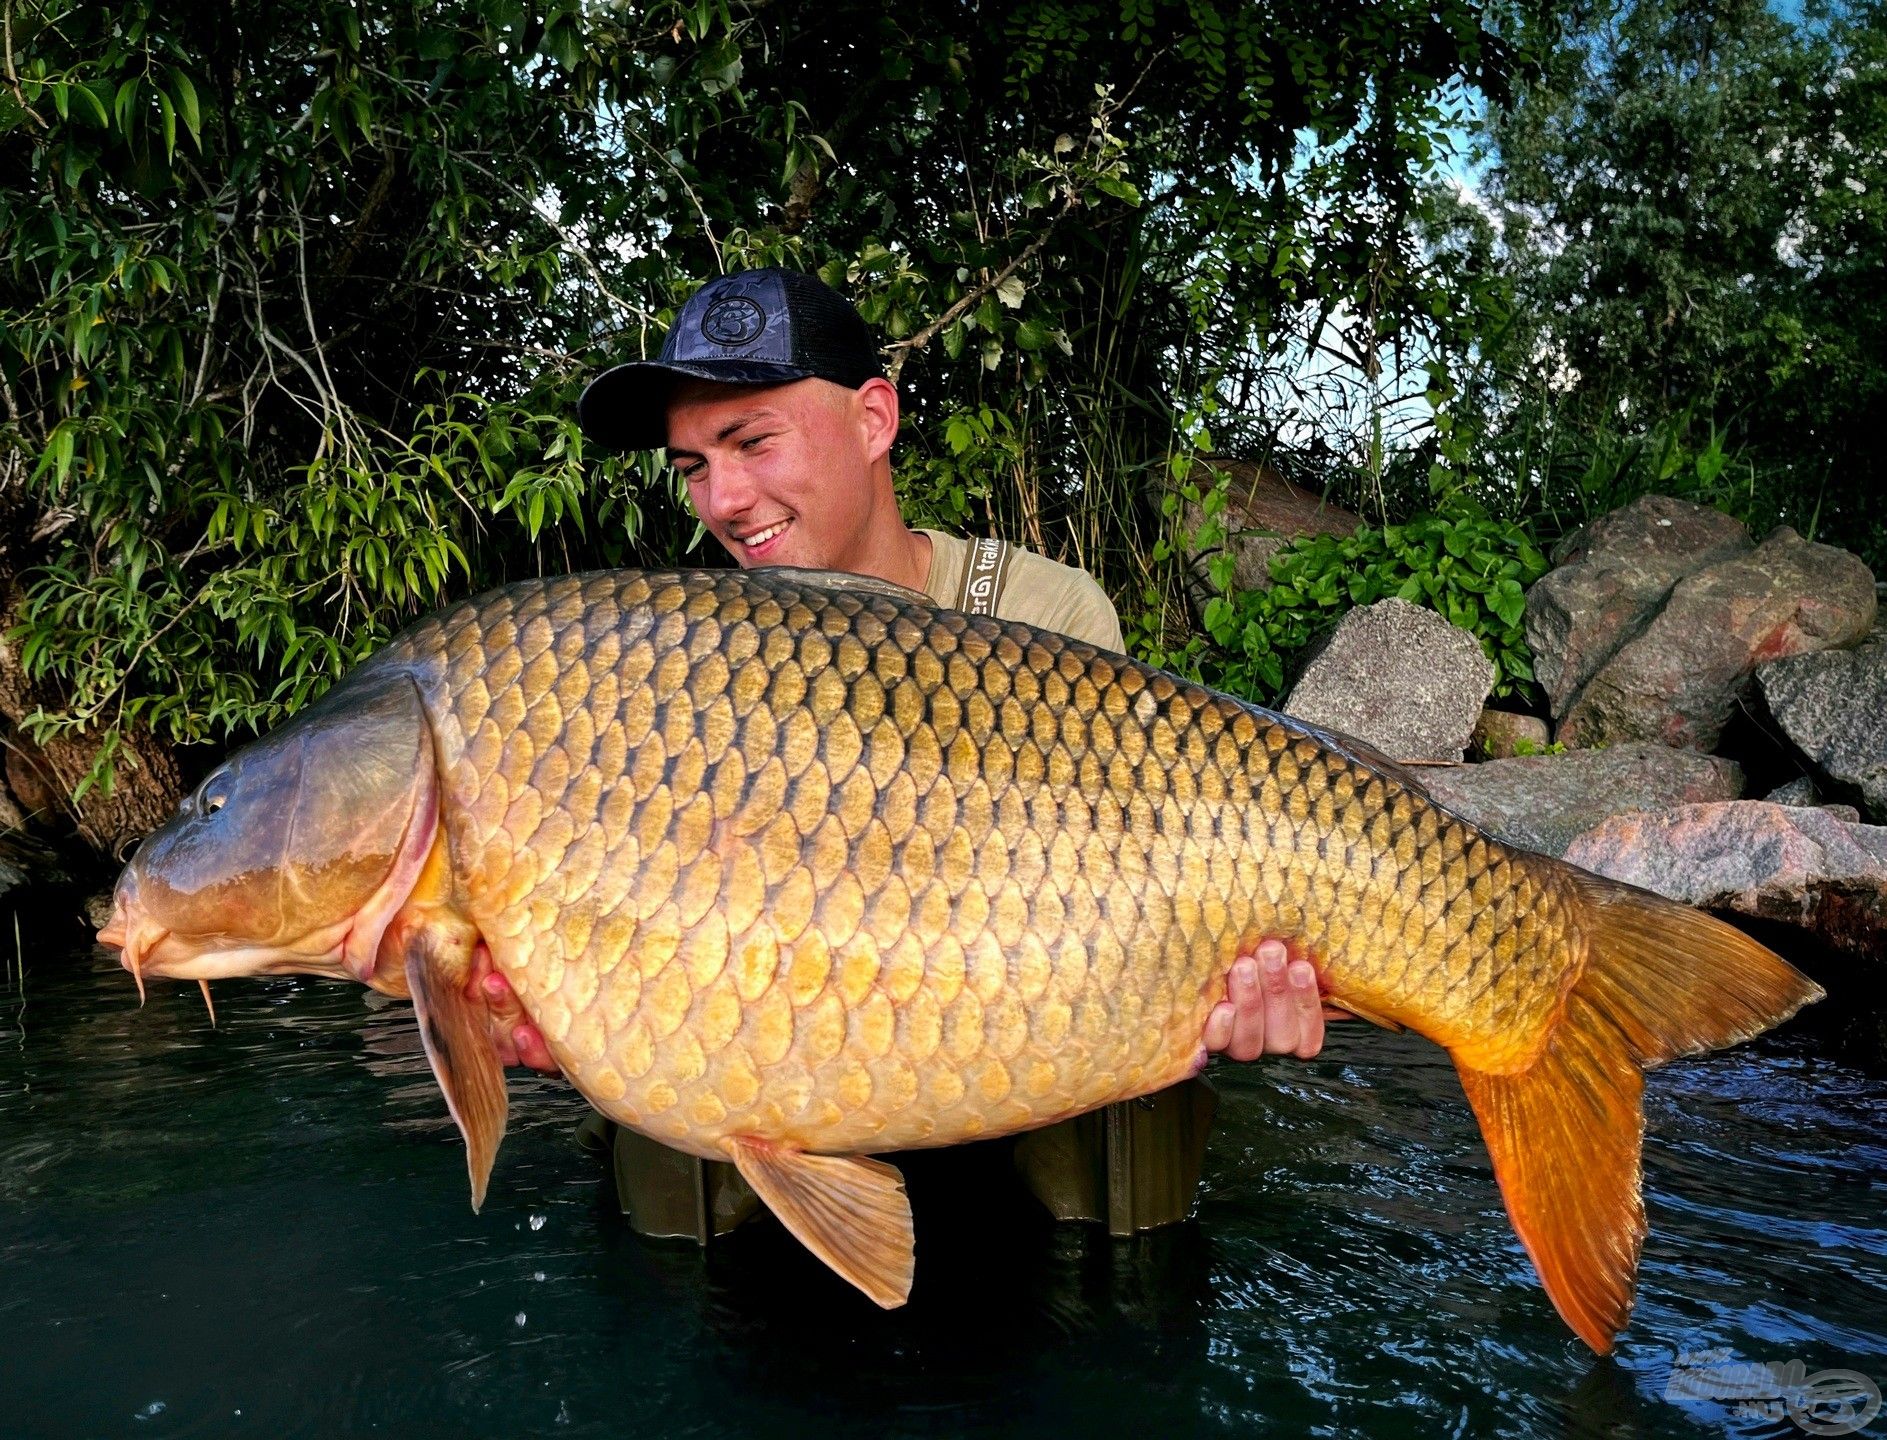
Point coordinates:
[[772, 405]]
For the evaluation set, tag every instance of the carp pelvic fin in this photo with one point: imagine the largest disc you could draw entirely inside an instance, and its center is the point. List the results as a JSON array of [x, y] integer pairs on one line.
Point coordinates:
[[458, 1044], [849, 1211], [1565, 1133]]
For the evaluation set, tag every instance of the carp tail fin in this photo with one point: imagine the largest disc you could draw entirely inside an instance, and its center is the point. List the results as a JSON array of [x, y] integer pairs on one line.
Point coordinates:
[[1565, 1133]]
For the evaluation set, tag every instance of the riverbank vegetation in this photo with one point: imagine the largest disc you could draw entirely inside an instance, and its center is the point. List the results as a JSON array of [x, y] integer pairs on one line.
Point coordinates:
[[298, 302]]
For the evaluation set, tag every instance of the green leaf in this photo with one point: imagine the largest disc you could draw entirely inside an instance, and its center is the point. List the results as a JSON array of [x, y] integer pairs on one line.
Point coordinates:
[[187, 105]]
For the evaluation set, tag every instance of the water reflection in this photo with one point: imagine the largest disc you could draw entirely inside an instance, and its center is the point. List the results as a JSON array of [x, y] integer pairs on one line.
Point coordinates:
[[265, 1228]]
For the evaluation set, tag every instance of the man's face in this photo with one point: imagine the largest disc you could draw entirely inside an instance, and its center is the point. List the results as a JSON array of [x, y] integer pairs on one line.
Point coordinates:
[[780, 474]]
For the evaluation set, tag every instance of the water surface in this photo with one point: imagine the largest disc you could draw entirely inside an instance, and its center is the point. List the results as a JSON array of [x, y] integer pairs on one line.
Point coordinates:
[[263, 1229]]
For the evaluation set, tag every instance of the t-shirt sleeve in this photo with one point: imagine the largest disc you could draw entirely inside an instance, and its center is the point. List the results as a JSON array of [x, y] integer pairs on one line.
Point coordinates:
[[1087, 614]]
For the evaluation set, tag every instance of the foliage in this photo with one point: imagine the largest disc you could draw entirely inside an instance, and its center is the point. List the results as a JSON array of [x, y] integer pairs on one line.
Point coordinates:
[[296, 314], [1676, 270], [1471, 568]]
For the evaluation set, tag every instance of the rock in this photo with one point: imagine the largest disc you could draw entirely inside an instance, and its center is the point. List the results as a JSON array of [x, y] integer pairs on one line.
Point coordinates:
[[98, 907], [1777, 862], [1799, 791], [1657, 525], [1263, 513], [1400, 678], [1676, 681], [1833, 705], [1545, 802], [1500, 734], [1614, 575]]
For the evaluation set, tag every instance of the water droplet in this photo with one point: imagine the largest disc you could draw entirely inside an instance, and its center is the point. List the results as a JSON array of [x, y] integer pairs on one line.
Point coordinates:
[[153, 1410], [537, 1222], [537, 1274], [518, 1319]]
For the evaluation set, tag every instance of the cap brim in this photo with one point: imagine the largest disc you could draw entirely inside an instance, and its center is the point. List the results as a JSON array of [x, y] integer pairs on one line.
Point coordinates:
[[626, 408]]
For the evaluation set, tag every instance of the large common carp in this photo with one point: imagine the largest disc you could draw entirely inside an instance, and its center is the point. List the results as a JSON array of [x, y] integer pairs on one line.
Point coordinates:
[[791, 867]]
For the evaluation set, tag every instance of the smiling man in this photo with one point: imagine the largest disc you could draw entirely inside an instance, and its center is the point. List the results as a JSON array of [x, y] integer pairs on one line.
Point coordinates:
[[771, 403]]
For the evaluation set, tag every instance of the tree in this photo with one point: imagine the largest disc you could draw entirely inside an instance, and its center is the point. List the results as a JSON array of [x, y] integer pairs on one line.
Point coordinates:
[[298, 299], [1690, 239]]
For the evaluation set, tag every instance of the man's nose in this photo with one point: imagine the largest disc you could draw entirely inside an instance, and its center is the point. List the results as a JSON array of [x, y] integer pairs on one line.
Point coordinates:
[[726, 496]]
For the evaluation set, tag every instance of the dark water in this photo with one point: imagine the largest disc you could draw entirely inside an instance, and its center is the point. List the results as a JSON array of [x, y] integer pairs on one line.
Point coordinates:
[[264, 1230]]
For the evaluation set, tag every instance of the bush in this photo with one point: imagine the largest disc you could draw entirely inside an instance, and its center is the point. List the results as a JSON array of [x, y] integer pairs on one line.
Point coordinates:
[[1471, 568]]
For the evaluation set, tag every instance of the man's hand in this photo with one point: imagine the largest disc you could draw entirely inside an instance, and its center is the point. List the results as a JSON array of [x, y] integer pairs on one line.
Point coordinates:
[[513, 1035], [1272, 1007]]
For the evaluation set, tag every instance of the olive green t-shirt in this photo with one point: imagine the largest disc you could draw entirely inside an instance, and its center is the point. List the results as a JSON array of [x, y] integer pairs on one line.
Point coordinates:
[[1036, 591]]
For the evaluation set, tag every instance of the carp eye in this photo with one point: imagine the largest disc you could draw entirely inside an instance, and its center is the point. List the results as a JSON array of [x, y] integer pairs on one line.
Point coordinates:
[[212, 795]]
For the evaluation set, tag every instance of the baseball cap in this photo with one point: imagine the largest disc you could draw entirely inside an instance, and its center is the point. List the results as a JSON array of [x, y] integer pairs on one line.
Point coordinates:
[[757, 327]]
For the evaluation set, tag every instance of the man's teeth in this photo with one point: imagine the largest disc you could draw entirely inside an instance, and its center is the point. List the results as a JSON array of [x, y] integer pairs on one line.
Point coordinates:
[[760, 537]]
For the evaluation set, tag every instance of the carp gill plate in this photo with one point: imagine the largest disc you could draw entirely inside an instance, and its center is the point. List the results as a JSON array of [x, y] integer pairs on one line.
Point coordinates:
[[791, 867]]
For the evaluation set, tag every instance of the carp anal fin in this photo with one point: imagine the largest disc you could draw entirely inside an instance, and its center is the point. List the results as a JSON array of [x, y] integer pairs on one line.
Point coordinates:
[[458, 1044], [849, 1211], [1565, 1133]]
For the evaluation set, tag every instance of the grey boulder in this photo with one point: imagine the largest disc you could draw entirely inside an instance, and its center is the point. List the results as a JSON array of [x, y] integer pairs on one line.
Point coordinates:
[[1545, 802], [1400, 678], [1833, 705]]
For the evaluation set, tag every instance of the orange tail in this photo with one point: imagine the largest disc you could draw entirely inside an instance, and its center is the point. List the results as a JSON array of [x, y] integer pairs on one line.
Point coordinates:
[[1659, 980]]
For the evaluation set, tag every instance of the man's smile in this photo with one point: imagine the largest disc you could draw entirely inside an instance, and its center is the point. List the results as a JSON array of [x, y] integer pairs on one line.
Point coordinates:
[[760, 541]]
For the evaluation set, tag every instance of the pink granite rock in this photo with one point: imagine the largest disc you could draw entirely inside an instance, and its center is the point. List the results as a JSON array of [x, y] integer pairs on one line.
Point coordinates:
[[1778, 862], [1676, 681], [1614, 574]]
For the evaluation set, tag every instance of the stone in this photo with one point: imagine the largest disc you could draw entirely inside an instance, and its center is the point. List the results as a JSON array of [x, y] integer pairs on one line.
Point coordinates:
[[1833, 706], [1657, 525], [1776, 862], [1501, 734], [1799, 791], [1545, 802], [1613, 576], [1398, 677], [1676, 681], [1263, 513]]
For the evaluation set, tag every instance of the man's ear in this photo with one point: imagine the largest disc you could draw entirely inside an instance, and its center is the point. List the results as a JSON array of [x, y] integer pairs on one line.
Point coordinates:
[[878, 401]]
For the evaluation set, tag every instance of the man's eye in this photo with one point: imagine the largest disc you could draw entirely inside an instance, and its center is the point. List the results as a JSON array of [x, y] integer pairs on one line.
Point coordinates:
[[753, 440]]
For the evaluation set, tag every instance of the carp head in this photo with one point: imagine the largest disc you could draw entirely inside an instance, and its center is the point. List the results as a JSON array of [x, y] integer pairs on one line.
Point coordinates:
[[294, 855]]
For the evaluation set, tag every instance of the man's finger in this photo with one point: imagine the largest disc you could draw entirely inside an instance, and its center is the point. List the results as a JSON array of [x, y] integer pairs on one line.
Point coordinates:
[[1309, 1011], [1219, 1026], [531, 1048], [1246, 988], [1281, 1019]]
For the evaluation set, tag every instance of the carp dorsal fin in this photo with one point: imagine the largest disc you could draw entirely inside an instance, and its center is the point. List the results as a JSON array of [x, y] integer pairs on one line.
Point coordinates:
[[458, 1045], [844, 580], [849, 1211]]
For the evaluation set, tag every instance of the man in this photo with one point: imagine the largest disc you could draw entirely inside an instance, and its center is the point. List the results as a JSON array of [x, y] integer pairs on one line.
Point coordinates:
[[773, 407]]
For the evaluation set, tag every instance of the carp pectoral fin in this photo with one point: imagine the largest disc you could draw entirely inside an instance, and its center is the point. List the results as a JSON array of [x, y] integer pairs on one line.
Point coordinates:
[[850, 1212], [458, 1044], [1659, 980]]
